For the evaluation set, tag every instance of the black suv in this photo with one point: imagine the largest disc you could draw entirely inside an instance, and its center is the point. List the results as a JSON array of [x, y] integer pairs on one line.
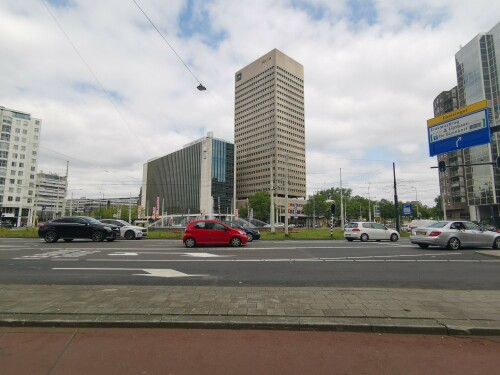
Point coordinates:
[[69, 228]]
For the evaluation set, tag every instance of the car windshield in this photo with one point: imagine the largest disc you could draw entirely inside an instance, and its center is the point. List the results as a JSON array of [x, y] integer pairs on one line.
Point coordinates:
[[439, 224], [91, 220], [124, 222]]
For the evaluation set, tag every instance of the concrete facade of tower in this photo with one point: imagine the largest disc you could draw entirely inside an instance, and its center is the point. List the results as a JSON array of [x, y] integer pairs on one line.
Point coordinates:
[[269, 127]]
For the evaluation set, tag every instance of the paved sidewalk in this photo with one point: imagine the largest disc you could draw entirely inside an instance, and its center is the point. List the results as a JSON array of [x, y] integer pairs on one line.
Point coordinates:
[[446, 312]]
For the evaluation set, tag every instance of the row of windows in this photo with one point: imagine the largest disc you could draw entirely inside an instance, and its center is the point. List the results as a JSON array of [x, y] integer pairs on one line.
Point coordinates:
[[294, 81], [266, 92], [291, 116], [249, 144], [296, 137], [293, 93], [8, 129], [288, 145], [290, 104], [250, 104], [255, 134], [254, 79], [290, 74], [253, 123], [293, 87], [289, 109], [240, 134], [300, 101], [300, 128], [301, 119], [255, 117], [267, 83]]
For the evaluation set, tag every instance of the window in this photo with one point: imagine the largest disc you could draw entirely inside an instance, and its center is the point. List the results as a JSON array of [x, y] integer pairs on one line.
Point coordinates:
[[24, 140], [3, 163], [21, 165], [16, 139], [10, 199], [20, 173], [2, 180], [19, 182], [13, 164], [18, 199], [23, 156], [33, 161], [11, 190], [5, 137], [23, 148], [18, 130], [12, 173], [16, 147], [25, 131], [32, 176], [4, 154], [14, 155], [12, 181]]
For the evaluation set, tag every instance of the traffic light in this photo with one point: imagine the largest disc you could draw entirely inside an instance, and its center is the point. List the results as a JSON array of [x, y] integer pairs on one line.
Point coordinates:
[[333, 208], [442, 166]]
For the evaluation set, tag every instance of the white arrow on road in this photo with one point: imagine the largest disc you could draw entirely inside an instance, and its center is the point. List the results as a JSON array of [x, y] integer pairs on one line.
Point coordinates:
[[125, 254], [149, 271]]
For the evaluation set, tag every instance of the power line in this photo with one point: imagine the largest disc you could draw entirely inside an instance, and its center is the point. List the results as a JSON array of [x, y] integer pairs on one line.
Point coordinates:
[[200, 86]]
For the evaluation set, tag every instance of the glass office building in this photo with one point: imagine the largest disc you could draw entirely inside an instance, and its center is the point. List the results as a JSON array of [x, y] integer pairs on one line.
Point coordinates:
[[477, 66], [199, 179]]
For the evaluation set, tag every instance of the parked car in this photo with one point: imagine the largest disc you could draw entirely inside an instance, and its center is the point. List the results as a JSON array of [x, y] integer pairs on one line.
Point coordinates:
[[127, 230], [252, 233], [365, 231], [212, 232], [72, 227], [454, 235], [420, 223], [6, 224]]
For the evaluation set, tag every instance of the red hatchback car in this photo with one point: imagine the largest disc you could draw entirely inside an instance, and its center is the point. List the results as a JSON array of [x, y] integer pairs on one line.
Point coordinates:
[[212, 232]]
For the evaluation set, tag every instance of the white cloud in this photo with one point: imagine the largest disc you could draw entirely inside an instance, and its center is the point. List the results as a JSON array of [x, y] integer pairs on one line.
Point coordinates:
[[369, 83]]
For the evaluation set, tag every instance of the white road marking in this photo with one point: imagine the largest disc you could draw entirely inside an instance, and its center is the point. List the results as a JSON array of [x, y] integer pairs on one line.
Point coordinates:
[[292, 260], [149, 271], [125, 254]]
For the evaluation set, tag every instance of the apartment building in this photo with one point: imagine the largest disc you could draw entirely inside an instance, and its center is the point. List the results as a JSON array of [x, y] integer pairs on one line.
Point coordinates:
[[19, 144]]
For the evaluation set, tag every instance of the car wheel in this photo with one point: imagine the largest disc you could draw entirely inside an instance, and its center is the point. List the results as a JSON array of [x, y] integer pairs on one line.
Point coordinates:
[[394, 237], [97, 236], [423, 245], [129, 235], [496, 243], [250, 237], [68, 239], [364, 237], [190, 242], [350, 239], [453, 243], [50, 236], [235, 242]]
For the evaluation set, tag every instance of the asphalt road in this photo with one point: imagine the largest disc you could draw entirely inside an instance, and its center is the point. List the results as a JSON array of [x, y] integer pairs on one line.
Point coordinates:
[[260, 263]]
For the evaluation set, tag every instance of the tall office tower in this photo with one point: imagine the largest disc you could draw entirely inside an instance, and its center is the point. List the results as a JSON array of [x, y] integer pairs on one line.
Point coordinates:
[[478, 68], [269, 127], [19, 142], [452, 182]]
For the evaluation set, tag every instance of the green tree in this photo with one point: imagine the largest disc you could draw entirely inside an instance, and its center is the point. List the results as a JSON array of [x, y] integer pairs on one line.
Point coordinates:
[[261, 204], [243, 212]]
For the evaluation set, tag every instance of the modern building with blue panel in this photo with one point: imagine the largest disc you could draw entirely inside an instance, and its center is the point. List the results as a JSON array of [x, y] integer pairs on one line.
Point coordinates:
[[477, 67], [198, 179]]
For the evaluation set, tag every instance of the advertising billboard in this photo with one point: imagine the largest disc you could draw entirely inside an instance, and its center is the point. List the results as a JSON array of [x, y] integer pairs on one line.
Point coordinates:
[[465, 127]]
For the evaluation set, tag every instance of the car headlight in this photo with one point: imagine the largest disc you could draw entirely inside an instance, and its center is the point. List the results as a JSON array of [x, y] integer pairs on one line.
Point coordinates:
[[108, 229]]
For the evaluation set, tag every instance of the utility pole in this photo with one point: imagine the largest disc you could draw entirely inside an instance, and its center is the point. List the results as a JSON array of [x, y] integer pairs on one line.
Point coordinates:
[[65, 190], [286, 196], [341, 202], [271, 192], [130, 208], [369, 205], [396, 204]]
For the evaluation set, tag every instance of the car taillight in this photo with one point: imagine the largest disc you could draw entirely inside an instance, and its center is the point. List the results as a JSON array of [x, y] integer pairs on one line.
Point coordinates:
[[42, 226], [434, 234], [356, 230]]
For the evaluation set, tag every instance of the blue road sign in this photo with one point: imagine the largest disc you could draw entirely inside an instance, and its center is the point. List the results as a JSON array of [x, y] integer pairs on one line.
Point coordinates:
[[461, 129], [406, 209]]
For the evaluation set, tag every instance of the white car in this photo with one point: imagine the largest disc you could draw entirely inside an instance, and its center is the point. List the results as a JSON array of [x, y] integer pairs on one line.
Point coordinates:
[[127, 230], [365, 231]]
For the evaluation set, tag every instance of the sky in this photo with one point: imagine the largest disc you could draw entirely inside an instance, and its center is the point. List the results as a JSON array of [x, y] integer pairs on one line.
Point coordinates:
[[112, 93]]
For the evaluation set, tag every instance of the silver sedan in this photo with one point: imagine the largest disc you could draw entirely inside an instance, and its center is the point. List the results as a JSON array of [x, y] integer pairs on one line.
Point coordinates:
[[453, 235]]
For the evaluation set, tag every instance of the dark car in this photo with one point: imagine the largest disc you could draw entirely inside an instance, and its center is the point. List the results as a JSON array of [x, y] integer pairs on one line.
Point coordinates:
[[212, 232], [252, 233], [72, 227]]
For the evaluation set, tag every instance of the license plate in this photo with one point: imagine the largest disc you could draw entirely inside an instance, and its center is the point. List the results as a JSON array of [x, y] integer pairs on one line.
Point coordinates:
[[420, 233]]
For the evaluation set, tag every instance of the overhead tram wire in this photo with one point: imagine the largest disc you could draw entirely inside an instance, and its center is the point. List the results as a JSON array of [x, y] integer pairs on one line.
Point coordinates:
[[200, 85], [108, 96]]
